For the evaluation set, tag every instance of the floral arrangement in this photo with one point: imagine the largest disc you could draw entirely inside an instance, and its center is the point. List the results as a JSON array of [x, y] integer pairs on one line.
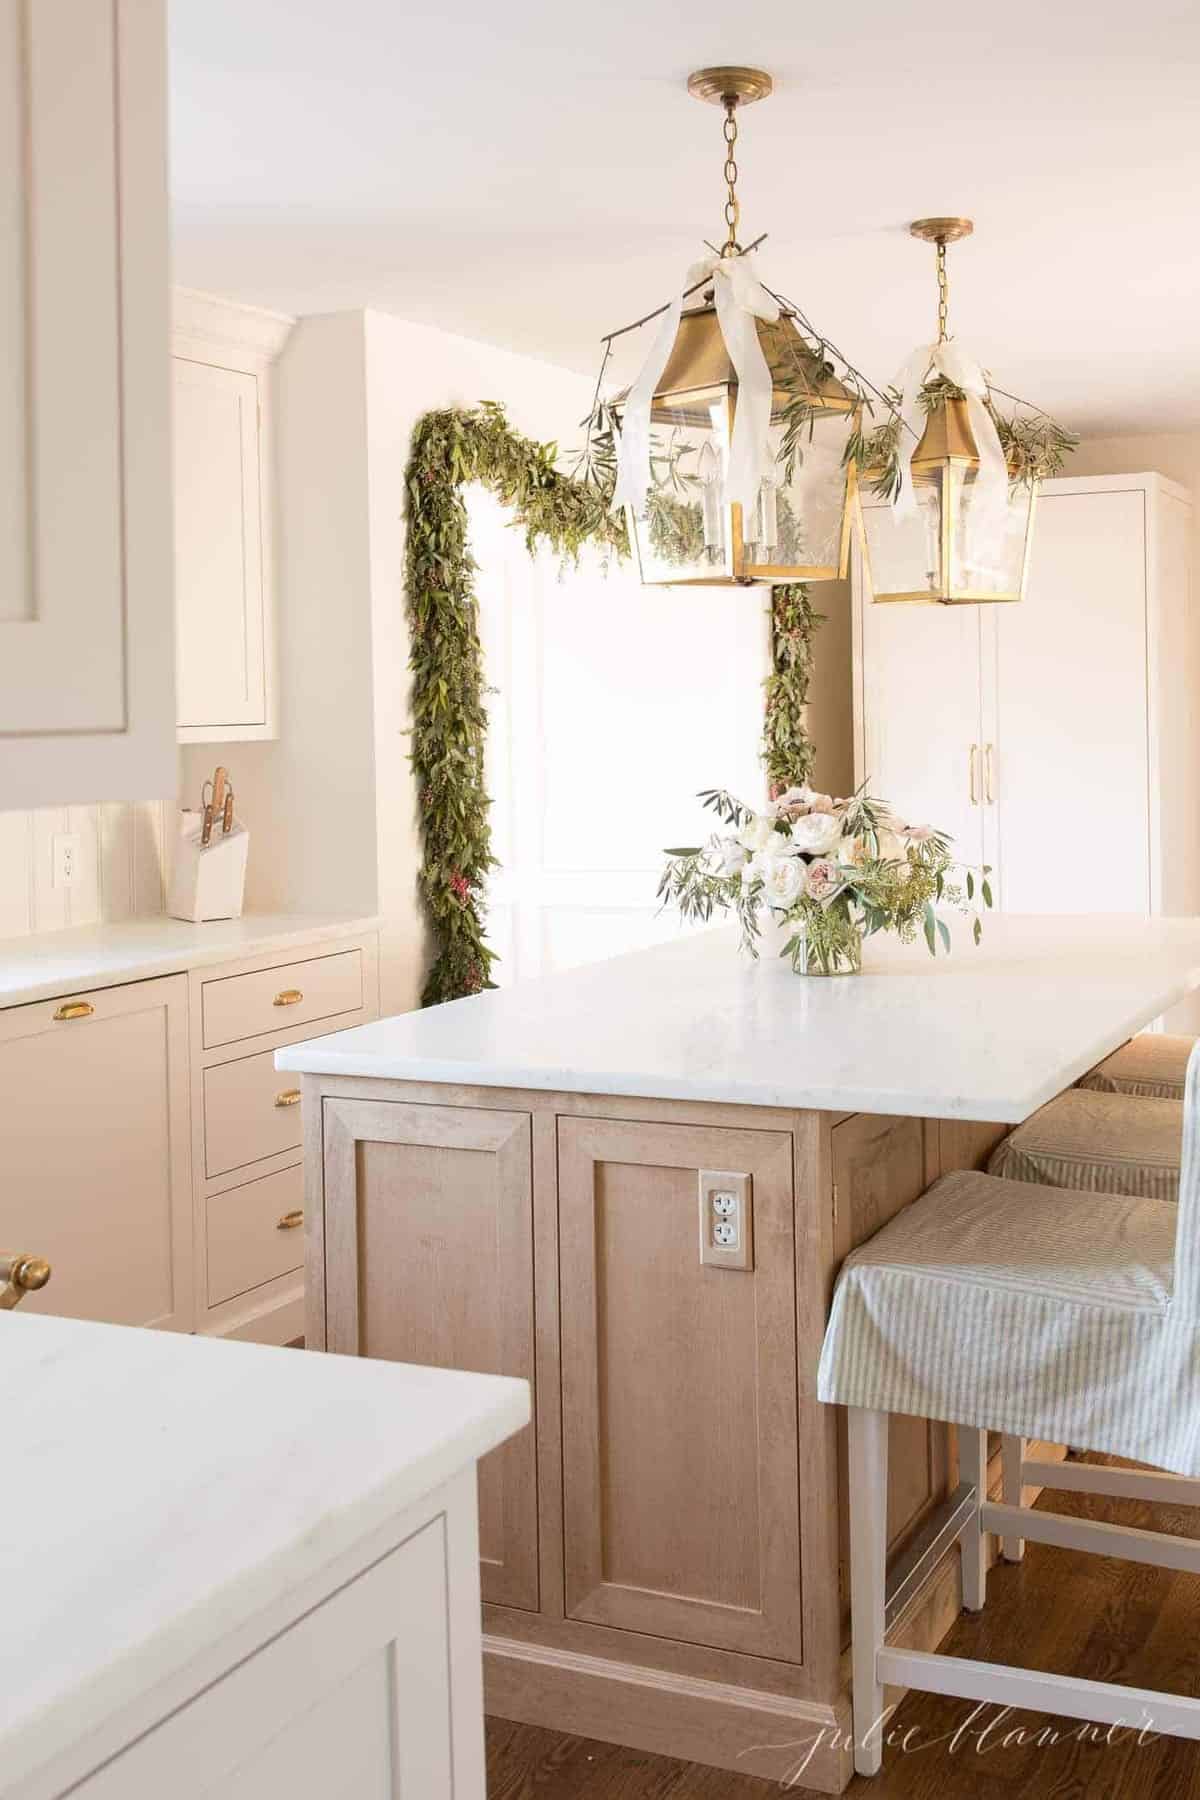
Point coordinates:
[[827, 872]]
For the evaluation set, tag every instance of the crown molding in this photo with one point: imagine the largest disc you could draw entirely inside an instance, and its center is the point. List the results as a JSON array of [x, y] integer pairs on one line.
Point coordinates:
[[210, 328]]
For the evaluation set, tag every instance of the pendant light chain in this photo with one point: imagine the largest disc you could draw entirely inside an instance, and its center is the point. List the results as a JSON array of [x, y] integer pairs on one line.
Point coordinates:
[[732, 209], [943, 293]]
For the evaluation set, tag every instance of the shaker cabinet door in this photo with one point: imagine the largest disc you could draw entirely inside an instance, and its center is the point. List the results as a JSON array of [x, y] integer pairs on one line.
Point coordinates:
[[94, 1165], [429, 1259], [680, 1478], [86, 617], [221, 626]]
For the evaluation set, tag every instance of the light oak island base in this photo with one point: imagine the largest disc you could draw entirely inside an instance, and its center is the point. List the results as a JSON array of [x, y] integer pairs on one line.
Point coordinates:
[[663, 1551]]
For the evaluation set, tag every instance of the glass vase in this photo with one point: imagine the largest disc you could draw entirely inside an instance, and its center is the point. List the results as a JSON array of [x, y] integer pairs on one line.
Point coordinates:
[[828, 953]]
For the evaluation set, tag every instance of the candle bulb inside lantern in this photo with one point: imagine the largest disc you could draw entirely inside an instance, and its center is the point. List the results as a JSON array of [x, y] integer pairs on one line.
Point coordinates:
[[768, 518], [709, 472]]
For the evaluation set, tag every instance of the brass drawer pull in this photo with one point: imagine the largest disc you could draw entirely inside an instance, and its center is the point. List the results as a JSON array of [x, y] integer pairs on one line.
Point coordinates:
[[291, 1220], [288, 997], [289, 1097], [75, 1009]]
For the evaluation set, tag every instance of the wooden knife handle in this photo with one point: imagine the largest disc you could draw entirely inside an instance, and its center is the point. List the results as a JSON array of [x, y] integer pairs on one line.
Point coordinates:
[[220, 780]]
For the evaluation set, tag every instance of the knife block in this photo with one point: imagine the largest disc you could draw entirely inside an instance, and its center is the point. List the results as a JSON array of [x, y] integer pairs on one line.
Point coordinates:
[[208, 881]]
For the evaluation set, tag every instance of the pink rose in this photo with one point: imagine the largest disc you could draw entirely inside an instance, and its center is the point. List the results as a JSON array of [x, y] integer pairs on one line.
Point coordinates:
[[824, 880]]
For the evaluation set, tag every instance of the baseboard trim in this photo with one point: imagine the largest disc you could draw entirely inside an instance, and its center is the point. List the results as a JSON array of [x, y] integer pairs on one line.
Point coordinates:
[[798, 1743]]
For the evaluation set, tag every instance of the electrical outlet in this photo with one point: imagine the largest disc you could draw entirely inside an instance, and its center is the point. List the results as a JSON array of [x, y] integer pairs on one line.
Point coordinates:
[[726, 1220], [64, 851]]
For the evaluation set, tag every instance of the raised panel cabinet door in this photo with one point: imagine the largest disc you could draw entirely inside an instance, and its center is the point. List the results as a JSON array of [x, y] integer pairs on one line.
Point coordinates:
[[429, 1259], [94, 1151], [1070, 724], [220, 621], [918, 707], [680, 1479], [86, 619]]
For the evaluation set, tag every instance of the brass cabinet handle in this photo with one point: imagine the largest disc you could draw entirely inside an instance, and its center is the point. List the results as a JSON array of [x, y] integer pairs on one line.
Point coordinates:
[[288, 997], [75, 1009], [971, 775], [290, 1220], [289, 1097], [20, 1274], [987, 775]]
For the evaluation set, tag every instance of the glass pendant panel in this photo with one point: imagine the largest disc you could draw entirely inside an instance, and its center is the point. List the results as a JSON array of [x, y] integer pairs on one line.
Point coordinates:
[[798, 525], [684, 534], [987, 563], [904, 555]]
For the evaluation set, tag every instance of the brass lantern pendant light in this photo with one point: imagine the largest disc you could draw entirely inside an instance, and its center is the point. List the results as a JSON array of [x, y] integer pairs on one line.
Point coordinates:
[[792, 518], [947, 516]]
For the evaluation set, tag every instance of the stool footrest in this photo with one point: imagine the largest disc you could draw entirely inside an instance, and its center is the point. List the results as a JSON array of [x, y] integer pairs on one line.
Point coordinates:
[[1125, 1484], [1128, 1542], [999, 1684]]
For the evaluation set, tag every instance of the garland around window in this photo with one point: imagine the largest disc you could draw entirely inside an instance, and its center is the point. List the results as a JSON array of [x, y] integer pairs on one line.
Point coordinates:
[[451, 448]]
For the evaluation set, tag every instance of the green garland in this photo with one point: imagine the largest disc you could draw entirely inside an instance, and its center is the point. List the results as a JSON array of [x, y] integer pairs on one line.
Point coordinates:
[[450, 448]]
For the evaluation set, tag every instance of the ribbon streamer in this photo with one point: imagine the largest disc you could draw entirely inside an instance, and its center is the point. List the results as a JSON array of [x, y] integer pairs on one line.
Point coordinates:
[[989, 510], [740, 299]]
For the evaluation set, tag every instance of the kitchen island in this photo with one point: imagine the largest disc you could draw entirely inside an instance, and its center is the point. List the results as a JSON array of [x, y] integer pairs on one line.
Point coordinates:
[[633, 1184]]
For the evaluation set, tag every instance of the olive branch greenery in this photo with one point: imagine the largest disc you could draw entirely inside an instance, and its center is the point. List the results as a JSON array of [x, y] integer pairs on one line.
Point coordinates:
[[1035, 445], [452, 447]]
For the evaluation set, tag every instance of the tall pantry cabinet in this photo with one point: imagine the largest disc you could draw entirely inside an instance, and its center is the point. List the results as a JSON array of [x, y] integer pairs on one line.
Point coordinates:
[[1057, 738]]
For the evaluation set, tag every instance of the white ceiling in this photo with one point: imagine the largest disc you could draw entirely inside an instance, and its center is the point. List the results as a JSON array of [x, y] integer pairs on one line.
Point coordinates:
[[532, 172]]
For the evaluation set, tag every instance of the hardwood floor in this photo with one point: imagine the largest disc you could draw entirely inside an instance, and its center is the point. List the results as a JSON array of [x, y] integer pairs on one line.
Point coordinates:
[[1057, 1611]]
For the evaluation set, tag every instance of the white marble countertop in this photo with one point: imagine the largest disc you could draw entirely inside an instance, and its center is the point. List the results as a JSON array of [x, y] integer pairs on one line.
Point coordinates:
[[49, 964], [159, 1491], [989, 1033]]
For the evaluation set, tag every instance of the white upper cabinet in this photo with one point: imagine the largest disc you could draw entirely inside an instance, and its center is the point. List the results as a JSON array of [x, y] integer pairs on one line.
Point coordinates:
[[86, 618], [225, 649]]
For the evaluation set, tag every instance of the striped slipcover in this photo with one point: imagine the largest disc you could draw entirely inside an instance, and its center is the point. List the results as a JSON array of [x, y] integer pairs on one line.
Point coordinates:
[[1152, 1065], [1101, 1143], [999, 1304]]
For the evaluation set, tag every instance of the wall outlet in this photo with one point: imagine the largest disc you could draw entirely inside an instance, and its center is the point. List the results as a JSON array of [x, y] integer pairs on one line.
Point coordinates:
[[64, 852], [726, 1220]]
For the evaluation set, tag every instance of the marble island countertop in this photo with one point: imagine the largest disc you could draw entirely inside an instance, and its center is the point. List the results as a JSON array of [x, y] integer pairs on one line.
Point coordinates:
[[50, 964], [987, 1033], [160, 1490]]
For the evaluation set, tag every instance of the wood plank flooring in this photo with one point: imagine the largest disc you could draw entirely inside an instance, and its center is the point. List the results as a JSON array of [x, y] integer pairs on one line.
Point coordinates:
[[1057, 1611]]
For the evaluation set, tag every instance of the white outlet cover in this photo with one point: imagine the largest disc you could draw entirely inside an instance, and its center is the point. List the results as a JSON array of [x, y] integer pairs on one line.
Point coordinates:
[[64, 852], [726, 1220]]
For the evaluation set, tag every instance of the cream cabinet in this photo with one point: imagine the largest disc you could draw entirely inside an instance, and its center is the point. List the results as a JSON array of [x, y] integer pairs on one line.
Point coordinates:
[[1056, 738], [224, 583], [86, 629], [95, 1173]]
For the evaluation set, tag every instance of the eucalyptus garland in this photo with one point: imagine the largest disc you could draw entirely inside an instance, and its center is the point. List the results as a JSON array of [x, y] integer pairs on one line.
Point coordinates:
[[450, 448]]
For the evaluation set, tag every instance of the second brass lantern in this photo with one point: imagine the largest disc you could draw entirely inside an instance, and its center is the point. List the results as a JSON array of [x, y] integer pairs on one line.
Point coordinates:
[[800, 528]]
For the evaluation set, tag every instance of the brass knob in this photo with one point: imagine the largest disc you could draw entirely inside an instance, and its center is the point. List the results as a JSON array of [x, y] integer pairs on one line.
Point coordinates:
[[288, 997], [290, 1220], [75, 1009], [23, 1274], [289, 1097]]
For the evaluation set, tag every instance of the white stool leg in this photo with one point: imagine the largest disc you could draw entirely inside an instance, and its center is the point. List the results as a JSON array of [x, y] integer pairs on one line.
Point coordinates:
[[1012, 1452], [868, 1569], [972, 1467]]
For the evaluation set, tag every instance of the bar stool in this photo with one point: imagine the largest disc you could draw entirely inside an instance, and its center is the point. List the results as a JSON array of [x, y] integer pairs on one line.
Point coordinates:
[[1152, 1065], [998, 1305], [1097, 1142]]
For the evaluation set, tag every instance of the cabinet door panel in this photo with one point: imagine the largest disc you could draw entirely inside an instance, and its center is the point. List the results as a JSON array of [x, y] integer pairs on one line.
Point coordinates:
[[919, 704], [429, 1245], [86, 699], [220, 653], [94, 1168], [1070, 720], [679, 1390]]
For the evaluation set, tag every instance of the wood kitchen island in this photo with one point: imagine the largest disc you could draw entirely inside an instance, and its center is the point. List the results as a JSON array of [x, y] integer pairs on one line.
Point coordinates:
[[530, 1182]]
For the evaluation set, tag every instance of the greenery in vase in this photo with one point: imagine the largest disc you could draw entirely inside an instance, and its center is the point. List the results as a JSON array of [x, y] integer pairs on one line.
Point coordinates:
[[834, 870]]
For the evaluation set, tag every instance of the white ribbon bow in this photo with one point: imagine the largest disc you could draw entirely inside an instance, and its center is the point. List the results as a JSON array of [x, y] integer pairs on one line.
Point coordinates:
[[740, 299], [989, 509]]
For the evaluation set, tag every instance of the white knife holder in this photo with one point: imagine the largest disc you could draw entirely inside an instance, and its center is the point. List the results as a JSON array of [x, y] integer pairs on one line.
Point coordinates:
[[208, 880]]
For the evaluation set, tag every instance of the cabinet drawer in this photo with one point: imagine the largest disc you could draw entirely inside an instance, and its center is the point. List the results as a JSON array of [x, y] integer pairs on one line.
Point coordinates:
[[250, 1111], [253, 1233], [243, 1006]]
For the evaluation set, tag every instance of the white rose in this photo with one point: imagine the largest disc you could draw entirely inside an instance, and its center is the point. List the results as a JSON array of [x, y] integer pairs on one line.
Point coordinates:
[[756, 832], [732, 854], [816, 833], [784, 880]]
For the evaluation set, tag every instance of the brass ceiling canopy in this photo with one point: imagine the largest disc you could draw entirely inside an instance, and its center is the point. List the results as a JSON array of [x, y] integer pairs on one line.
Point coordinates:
[[732, 86], [941, 231]]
